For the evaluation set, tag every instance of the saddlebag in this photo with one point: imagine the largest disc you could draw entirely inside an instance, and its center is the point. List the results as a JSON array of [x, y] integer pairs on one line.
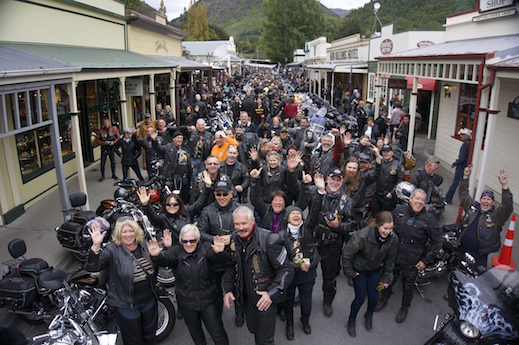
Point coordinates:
[[70, 235], [17, 291]]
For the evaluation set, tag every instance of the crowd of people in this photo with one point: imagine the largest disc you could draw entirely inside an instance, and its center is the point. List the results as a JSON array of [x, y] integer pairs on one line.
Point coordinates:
[[258, 206]]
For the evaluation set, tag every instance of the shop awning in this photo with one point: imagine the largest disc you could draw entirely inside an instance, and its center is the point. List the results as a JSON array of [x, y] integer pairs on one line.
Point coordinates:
[[90, 58], [423, 83], [185, 65], [353, 67]]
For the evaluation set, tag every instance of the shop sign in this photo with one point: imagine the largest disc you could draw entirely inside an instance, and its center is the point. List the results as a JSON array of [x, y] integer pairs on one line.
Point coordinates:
[[424, 43], [513, 109], [397, 83], [494, 15], [133, 87], [386, 47], [350, 54], [490, 5]]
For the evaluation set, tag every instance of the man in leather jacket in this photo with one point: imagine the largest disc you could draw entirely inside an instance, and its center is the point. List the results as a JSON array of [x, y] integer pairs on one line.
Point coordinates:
[[481, 227], [199, 143], [237, 172], [423, 178], [391, 173], [147, 144], [258, 274], [335, 224], [107, 137], [414, 227]]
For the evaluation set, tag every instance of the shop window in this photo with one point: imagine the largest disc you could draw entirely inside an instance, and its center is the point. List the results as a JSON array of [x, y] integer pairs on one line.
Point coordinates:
[[371, 87], [466, 108]]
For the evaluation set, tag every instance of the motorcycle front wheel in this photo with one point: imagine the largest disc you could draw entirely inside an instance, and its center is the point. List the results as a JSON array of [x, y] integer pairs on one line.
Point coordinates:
[[166, 276], [167, 318]]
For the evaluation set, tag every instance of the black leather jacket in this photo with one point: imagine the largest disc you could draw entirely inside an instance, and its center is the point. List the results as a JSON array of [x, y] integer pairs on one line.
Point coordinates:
[[195, 279], [216, 220], [175, 222], [240, 174], [307, 241], [130, 151], [414, 230], [363, 253], [259, 264], [147, 144], [391, 174], [193, 141], [120, 272], [490, 222]]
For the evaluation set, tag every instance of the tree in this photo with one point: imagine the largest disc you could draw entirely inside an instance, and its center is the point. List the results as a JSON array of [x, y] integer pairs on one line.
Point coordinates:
[[162, 8], [197, 24], [132, 4], [349, 25], [289, 24]]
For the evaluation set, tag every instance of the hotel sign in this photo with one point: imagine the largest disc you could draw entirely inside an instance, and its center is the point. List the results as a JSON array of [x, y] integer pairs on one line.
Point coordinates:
[[490, 5], [350, 54]]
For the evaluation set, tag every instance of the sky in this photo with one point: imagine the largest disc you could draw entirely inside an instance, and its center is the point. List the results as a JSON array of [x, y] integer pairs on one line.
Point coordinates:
[[175, 7]]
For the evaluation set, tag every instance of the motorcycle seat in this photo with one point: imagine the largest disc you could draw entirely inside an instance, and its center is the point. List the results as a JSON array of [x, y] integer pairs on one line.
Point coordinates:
[[32, 267], [84, 216], [52, 280]]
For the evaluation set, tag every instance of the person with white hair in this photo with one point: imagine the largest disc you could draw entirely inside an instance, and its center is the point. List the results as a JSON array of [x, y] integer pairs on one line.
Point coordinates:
[[459, 163]]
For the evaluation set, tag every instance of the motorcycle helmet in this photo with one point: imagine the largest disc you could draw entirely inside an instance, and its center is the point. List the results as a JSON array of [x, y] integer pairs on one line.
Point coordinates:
[[105, 225], [403, 191], [120, 193], [154, 196], [218, 105]]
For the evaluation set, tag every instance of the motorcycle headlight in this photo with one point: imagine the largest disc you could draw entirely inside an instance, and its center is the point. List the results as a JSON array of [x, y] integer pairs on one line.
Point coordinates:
[[469, 330]]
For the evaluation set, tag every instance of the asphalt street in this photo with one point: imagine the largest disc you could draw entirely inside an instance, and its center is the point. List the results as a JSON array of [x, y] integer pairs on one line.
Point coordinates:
[[37, 226]]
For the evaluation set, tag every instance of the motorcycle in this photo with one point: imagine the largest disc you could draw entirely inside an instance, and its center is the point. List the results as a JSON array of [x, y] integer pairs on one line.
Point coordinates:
[[36, 292], [73, 325], [485, 305], [123, 208]]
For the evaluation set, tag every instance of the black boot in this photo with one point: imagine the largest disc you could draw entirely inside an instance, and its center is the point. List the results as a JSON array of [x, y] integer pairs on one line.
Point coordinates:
[[290, 330], [351, 328], [306, 325], [369, 320]]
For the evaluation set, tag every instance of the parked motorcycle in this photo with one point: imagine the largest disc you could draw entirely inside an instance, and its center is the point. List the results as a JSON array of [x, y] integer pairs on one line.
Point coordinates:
[[38, 293], [485, 304]]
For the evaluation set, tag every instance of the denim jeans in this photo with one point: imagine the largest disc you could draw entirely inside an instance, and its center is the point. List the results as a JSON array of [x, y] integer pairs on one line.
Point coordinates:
[[458, 175], [365, 284]]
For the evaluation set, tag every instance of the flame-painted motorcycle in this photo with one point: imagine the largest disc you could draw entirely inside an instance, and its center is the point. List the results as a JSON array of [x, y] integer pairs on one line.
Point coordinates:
[[485, 304]]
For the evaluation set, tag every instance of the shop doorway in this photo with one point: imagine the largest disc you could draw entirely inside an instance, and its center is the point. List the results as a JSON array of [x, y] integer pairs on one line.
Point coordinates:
[[423, 107]]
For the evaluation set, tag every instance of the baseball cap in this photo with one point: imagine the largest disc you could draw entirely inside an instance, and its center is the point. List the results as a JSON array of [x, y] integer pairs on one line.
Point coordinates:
[[222, 185], [336, 172], [386, 148], [364, 158]]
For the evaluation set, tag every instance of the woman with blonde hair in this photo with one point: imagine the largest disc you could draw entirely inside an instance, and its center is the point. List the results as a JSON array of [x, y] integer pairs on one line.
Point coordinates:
[[130, 288]]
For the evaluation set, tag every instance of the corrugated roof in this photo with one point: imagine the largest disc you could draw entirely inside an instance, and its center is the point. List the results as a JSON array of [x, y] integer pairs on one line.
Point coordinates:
[[203, 48], [14, 61], [462, 48], [183, 63], [89, 58]]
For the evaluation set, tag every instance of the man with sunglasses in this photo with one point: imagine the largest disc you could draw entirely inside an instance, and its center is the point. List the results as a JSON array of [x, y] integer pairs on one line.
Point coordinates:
[[212, 166], [216, 219]]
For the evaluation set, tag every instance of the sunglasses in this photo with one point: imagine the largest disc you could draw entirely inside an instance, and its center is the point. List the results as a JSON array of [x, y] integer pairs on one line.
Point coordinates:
[[221, 194], [172, 204], [193, 241], [210, 164]]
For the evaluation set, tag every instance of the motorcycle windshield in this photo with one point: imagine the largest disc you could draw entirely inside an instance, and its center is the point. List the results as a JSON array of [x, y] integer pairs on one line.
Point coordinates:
[[480, 301]]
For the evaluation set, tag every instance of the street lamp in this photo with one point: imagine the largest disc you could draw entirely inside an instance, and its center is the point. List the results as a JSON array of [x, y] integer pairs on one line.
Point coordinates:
[[376, 7]]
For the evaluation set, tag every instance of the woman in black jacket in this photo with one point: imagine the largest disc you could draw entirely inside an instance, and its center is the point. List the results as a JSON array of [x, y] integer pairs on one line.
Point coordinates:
[[130, 289], [199, 299], [300, 245], [174, 214], [369, 258]]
